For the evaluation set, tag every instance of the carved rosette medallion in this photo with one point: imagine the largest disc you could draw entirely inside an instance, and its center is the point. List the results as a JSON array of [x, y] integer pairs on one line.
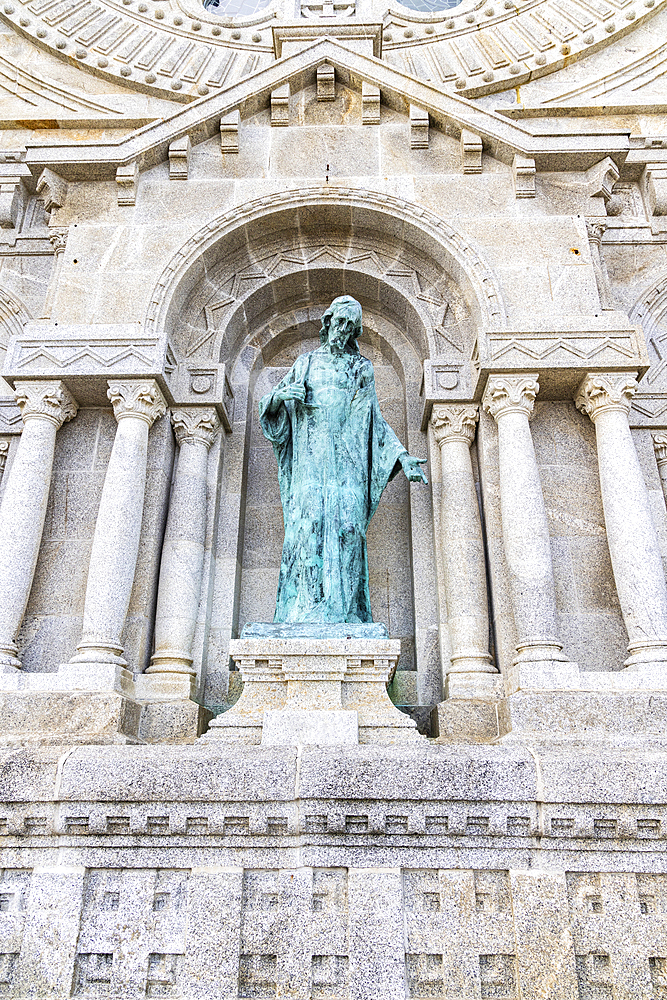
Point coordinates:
[[45, 401], [601, 393], [140, 398], [510, 394], [195, 425], [454, 422]]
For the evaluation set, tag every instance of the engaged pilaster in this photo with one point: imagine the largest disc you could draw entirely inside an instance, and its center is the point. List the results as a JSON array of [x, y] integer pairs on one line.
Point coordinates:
[[510, 400], [472, 673], [45, 406], [183, 553], [137, 403], [631, 534]]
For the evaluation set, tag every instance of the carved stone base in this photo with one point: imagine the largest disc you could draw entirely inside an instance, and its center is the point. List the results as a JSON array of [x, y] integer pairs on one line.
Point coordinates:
[[99, 705], [309, 674]]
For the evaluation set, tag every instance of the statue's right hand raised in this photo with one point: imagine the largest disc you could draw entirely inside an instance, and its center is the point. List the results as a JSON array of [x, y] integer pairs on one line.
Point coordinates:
[[295, 390]]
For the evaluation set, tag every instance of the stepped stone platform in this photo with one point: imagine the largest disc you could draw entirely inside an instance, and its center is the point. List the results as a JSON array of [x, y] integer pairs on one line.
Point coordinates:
[[216, 871]]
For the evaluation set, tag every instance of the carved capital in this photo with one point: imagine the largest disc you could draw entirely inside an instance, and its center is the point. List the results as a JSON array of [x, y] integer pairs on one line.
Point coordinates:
[[454, 422], [45, 401], [58, 240], [600, 393], [595, 230], [195, 425], [137, 398], [510, 394], [660, 446]]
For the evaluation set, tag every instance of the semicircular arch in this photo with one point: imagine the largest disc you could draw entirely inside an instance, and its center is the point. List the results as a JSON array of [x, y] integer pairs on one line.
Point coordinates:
[[319, 210]]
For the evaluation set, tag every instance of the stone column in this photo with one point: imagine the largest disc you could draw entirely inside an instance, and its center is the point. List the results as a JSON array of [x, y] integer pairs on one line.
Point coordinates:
[[58, 240], [596, 230], [510, 400], [45, 406], [472, 673], [631, 533], [183, 550], [137, 403], [660, 448]]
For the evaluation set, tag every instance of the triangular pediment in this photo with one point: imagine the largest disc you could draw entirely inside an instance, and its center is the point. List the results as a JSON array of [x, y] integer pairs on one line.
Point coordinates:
[[502, 138]]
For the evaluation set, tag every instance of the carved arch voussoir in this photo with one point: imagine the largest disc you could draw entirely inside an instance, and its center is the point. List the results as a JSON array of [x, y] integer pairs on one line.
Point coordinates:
[[13, 316], [462, 259]]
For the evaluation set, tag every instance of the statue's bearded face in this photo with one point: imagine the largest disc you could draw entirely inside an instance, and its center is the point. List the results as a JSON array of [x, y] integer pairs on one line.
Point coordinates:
[[341, 328]]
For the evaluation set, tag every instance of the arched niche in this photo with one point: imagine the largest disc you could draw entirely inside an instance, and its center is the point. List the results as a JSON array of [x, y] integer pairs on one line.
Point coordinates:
[[650, 310], [250, 291]]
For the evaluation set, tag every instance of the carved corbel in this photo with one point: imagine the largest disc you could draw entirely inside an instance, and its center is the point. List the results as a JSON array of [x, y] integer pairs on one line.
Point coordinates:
[[280, 105], [229, 132], [126, 181], [52, 189], [654, 188], [370, 104], [601, 178], [179, 159], [471, 152], [326, 82], [418, 128], [523, 175]]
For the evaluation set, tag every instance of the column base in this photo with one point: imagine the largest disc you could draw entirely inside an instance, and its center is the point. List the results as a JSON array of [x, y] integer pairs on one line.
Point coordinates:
[[89, 652], [169, 715], [9, 661], [539, 651], [483, 686], [646, 653], [171, 661], [164, 686]]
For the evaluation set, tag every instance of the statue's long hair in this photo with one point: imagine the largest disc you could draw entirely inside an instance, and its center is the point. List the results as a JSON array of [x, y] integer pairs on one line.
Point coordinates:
[[348, 307]]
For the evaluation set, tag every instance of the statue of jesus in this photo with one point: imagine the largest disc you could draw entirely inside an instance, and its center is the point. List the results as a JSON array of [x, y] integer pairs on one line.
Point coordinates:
[[335, 453]]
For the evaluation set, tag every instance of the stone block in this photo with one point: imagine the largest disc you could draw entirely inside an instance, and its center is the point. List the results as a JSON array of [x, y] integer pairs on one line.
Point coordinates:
[[466, 721], [290, 727], [173, 721]]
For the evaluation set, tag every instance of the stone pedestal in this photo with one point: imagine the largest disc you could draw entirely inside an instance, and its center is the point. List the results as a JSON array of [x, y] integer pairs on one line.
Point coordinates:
[[103, 706], [325, 679], [562, 703]]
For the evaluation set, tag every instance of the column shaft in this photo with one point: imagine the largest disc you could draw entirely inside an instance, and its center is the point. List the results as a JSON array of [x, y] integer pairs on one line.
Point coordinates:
[[510, 399], [45, 406], [183, 550], [631, 533], [463, 555], [113, 557]]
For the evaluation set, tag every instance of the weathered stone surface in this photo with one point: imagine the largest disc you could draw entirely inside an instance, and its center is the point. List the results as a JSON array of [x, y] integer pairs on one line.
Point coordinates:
[[490, 184]]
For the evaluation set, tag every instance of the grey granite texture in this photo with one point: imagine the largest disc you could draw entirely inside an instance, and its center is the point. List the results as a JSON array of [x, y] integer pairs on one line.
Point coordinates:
[[210, 872]]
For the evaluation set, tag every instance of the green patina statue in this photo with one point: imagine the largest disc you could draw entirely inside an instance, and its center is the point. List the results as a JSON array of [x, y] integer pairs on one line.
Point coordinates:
[[336, 453]]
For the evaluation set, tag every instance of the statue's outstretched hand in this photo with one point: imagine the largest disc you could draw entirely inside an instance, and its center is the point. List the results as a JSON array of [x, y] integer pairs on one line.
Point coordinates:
[[411, 468]]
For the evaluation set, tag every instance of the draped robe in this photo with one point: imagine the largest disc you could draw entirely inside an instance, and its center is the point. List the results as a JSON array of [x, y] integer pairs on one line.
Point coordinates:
[[335, 453]]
